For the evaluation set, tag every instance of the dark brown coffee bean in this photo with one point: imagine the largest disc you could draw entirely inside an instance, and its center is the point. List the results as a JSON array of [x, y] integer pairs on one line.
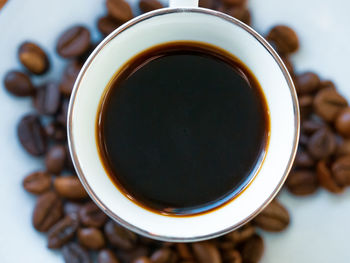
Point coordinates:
[[69, 186], [91, 215], [341, 170], [120, 10], [73, 253], [55, 131], [327, 84], [47, 99], [326, 179], [37, 182], [343, 147], [74, 42], [47, 211], [305, 104], [106, 256], [302, 182], [328, 103], [210, 4], [206, 252], [149, 5], [142, 260], [91, 238], [164, 255], [342, 122], [303, 139], [135, 253], [242, 234], [62, 232], [307, 83], [239, 12], [284, 38], [253, 249], [72, 209], [303, 160], [226, 245], [120, 237], [33, 58], [55, 159], [234, 2], [184, 251], [309, 127], [18, 84], [232, 256], [70, 74], [32, 135], [273, 218], [63, 112], [107, 24], [322, 144]]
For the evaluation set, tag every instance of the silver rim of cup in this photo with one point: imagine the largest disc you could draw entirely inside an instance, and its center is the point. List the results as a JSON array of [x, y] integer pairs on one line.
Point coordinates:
[[124, 27]]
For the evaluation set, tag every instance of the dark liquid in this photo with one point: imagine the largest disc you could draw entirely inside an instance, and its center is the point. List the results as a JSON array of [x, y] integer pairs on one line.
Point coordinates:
[[182, 128]]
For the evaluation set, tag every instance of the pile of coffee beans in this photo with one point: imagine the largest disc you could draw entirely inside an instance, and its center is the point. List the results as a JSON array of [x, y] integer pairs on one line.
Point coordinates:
[[74, 224]]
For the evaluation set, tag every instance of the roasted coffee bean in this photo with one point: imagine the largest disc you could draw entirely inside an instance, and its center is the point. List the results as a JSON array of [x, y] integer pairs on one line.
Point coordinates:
[[184, 251], [303, 139], [106, 256], [69, 76], [322, 144], [234, 2], [326, 179], [206, 252], [56, 158], [341, 170], [149, 5], [33, 58], [239, 12], [284, 38], [241, 234], [253, 249], [327, 84], [55, 131], [47, 211], [62, 232], [74, 42], [135, 253], [164, 255], [302, 182], [303, 160], [305, 104], [307, 83], [274, 217], [73, 253], [343, 147], [207, 3], [342, 122], [70, 187], [47, 99], [142, 260], [107, 24], [32, 135], [120, 237], [91, 238], [232, 256], [72, 209], [92, 216], [328, 103], [289, 65], [62, 115], [120, 10], [309, 127], [37, 182], [18, 84]]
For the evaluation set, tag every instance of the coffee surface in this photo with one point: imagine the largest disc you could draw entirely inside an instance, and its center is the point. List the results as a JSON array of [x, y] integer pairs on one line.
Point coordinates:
[[182, 128]]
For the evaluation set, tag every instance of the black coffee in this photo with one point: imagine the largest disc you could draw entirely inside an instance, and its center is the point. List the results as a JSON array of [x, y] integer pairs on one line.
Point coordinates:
[[182, 128]]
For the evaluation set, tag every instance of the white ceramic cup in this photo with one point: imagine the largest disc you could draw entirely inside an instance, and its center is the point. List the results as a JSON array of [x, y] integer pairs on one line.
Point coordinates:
[[184, 21]]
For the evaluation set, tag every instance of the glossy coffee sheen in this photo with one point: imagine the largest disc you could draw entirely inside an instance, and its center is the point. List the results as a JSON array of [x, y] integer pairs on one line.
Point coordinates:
[[182, 128]]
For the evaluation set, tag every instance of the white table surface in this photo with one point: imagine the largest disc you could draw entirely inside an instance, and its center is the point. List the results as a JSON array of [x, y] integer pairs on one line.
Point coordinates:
[[319, 231]]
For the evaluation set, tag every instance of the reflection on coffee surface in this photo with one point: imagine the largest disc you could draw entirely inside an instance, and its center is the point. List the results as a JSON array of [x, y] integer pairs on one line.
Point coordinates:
[[182, 128]]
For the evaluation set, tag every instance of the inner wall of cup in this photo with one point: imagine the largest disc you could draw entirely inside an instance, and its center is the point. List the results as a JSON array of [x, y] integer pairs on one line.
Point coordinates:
[[113, 53]]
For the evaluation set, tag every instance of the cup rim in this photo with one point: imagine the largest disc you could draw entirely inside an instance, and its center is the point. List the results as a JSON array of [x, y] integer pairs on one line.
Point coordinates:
[[114, 34]]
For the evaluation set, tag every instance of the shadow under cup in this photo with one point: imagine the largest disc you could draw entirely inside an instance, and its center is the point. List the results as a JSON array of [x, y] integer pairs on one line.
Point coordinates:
[[168, 25]]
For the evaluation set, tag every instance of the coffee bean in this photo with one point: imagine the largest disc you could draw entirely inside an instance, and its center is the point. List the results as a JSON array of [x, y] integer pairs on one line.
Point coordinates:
[[309, 127], [142, 260], [91, 238], [47, 99], [149, 5], [234, 2], [206, 252], [303, 139], [62, 232], [131, 255], [47, 211], [55, 131], [73, 253], [284, 38], [120, 10], [70, 74], [342, 122], [33, 58], [164, 255], [273, 218], [18, 84], [241, 234], [207, 3], [326, 179], [72, 209], [341, 170], [253, 249], [289, 65], [303, 160], [37, 182], [119, 236], [327, 84], [32, 135], [305, 104], [307, 83], [73, 42], [184, 251], [106, 256], [343, 147], [232, 256], [69, 186], [92, 216], [328, 103], [239, 12], [55, 159], [107, 24], [63, 112], [302, 182], [322, 144]]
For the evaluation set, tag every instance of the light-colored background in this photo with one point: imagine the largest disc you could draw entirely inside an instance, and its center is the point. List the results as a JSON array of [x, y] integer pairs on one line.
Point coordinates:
[[319, 231]]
